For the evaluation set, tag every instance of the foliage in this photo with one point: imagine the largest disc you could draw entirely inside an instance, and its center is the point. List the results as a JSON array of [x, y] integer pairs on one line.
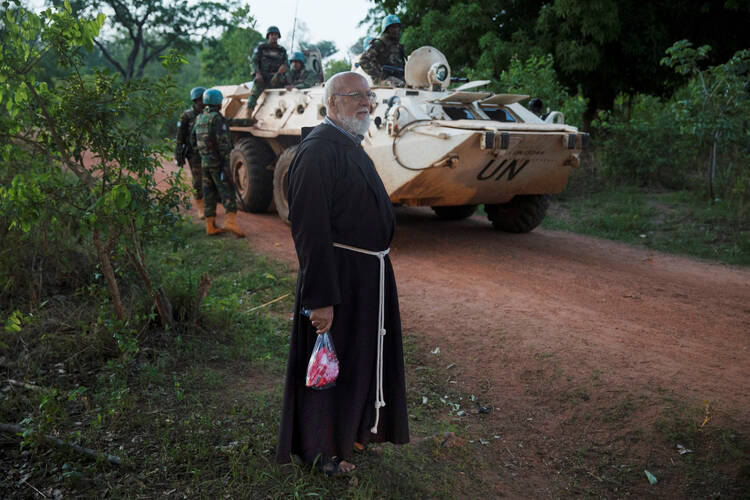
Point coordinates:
[[331, 67], [714, 110], [536, 76], [607, 47], [146, 29], [210, 401], [678, 222], [697, 138], [638, 144], [326, 47], [77, 161], [226, 59]]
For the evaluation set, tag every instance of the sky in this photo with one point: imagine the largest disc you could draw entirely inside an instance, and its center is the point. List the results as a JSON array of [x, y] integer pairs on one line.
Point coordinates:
[[335, 20]]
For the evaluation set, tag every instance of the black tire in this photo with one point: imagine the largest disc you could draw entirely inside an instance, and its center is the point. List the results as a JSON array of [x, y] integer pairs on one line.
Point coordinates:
[[281, 182], [520, 215], [251, 163], [457, 212]]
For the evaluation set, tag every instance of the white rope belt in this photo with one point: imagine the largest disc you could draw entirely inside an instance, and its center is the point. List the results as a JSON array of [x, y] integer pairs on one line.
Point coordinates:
[[379, 395]]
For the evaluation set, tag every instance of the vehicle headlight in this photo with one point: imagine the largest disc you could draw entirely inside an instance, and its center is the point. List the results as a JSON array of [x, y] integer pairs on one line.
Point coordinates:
[[441, 73]]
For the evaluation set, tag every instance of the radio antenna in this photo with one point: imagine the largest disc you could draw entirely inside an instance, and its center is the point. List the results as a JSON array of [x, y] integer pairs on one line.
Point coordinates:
[[294, 25]]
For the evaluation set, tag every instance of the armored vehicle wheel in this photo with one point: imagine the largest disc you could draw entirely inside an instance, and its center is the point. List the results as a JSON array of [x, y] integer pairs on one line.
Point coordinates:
[[520, 215], [253, 180], [456, 212], [281, 182]]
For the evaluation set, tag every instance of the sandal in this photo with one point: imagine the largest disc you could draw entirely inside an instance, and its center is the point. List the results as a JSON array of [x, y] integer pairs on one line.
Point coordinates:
[[367, 448], [333, 467]]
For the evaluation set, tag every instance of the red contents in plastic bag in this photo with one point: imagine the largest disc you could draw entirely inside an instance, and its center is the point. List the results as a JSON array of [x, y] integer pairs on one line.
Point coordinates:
[[323, 367]]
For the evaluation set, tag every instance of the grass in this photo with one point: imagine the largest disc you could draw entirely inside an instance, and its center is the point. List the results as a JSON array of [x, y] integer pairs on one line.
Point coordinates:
[[673, 222], [196, 410]]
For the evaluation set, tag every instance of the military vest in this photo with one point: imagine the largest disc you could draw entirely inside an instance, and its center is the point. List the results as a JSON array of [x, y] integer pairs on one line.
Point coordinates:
[[268, 58], [393, 54], [382, 52], [212, 138], [185, 126]]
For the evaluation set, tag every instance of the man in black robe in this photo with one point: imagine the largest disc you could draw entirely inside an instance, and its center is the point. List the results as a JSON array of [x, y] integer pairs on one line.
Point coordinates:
[[337, 198]]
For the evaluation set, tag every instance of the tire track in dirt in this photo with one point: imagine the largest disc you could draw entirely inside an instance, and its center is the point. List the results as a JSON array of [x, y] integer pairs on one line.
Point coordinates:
[[530, 319], [646, 316]]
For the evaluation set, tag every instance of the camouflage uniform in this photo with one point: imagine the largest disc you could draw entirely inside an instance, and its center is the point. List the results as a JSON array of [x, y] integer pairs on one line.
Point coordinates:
[[266, 59], [186, 152], [302, 79], [211, 137], [382, 52]]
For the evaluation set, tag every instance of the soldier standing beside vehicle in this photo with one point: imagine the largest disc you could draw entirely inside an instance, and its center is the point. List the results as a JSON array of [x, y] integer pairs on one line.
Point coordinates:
[[298, 77], [211, 137], [385, 58], [185, 151], [269, 58]]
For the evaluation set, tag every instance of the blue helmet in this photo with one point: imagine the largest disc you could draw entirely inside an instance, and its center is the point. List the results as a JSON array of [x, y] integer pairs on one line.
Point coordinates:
[[366, 43], [273, 29], [197, 93], [212, 97], [298, 56], [389, 20]]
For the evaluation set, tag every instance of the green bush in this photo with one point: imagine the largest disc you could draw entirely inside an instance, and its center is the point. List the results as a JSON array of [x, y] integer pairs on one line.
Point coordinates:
[[713, 109], [536, 76], [638, 144], [79, 161]]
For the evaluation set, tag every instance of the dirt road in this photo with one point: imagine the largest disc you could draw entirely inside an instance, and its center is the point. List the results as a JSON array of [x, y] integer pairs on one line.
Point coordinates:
[[549, 328], [643, 317]]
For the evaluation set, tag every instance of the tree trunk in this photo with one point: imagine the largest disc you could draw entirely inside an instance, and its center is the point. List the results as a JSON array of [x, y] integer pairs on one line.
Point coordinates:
[[102, 250], [712, 171], [160, 297]]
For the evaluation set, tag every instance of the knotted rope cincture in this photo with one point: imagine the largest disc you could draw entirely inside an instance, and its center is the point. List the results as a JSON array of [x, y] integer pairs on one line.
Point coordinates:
[[379, 395]]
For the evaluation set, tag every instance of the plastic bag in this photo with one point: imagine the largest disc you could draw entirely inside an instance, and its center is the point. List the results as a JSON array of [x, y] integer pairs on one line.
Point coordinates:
[[323, 367]]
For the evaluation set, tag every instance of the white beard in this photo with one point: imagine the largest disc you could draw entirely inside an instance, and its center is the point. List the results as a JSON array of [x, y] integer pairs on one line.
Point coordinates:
[[356, 126]]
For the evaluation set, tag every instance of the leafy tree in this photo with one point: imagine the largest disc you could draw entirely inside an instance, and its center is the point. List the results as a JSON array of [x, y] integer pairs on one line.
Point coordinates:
[[714, 109], [326, 47], [536, 76], [76, 157], [605, 46], [331, 67], [146, 29], [226, 60], [637, 143]]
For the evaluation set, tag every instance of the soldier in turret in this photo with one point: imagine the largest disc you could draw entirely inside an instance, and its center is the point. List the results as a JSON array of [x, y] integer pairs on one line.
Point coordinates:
[[298, 77], [269, 59], [385, 58], [211, 137], [185, 151]]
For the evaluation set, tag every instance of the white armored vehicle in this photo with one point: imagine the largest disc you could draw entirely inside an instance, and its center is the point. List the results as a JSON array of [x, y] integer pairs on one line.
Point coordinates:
[[451, 150]]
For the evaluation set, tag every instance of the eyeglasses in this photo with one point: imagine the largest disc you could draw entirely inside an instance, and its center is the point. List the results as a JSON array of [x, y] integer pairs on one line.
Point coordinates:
[[359, 95]]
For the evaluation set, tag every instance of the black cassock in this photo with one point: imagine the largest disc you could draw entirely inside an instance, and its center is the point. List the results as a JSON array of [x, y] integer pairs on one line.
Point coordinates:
[[335, 195]]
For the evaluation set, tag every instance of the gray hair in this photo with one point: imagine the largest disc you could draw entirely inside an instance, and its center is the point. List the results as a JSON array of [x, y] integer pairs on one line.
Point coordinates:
[[333, 85]]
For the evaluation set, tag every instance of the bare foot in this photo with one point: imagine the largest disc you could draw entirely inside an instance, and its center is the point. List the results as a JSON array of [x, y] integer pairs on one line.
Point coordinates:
[[345, 466], [337, 467]]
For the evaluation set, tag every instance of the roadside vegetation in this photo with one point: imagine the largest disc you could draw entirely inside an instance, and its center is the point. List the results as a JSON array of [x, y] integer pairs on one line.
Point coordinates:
[[677, 222], [193, 410], [125, 332]]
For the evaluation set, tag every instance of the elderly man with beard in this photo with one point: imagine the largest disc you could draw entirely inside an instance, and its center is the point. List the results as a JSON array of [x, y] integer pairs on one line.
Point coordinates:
[[342, 225]]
